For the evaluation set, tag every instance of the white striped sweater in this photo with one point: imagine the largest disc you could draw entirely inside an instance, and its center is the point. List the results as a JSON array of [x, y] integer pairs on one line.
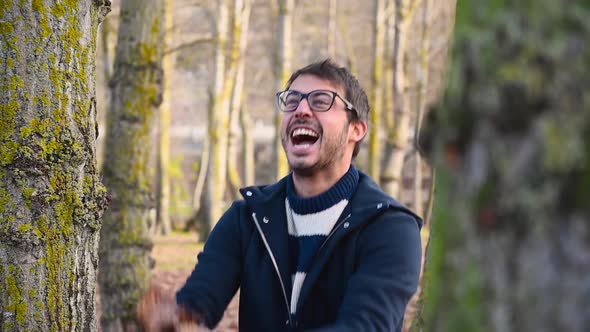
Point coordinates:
[[309, 221]]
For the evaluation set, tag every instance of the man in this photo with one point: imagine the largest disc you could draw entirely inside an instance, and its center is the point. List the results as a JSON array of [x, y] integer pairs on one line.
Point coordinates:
[[324, 248]]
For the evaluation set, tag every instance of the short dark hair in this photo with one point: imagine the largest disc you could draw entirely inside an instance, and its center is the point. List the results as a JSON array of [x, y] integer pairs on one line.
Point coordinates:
[[343, 78]]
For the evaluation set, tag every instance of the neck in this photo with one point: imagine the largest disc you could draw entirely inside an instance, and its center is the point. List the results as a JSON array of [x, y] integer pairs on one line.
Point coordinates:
[[309, 185]]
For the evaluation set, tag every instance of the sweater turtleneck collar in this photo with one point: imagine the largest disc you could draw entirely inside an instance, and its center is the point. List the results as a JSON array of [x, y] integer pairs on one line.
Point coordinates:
[[343, 189]]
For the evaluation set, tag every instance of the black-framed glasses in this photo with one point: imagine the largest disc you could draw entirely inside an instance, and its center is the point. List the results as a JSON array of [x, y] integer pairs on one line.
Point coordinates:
[[318, 100]]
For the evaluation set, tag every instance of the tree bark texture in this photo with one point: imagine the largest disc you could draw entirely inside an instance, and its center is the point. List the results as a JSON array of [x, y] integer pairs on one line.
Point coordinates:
[[419, 205], [422, 74], [51, 198], [135, 96], [510, 244], [398, 130], [407, 53]]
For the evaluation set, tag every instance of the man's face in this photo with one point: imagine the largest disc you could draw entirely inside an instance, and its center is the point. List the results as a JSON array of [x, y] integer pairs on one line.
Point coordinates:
[[316, 141]]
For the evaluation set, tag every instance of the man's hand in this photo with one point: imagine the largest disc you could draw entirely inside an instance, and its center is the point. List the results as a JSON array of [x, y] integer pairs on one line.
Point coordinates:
[[158, 312]]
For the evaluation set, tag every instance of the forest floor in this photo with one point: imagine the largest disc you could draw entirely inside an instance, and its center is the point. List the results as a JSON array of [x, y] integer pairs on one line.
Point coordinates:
[[176, 255]]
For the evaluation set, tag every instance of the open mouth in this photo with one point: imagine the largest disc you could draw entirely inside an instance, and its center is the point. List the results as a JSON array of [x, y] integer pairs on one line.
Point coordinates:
[[304, 136]]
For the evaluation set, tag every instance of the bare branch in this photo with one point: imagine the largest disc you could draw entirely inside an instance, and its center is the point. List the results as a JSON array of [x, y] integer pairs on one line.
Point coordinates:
[[203, 39]]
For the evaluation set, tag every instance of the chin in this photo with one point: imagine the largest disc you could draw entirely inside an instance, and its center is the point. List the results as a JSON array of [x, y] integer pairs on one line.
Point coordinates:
[[302, 167], [307, 167], [304, 171]]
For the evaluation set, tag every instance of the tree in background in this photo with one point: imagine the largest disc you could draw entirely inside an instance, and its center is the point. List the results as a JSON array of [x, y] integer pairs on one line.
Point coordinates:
[[398, 120], [218, 126], [510, 246], [51, 198], [135, 96], [235, 80], [163, 223], [332, 28], [376, 93], [283, 65]]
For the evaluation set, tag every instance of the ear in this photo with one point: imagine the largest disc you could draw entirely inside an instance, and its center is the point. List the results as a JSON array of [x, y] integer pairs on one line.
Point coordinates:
[[357, 131]]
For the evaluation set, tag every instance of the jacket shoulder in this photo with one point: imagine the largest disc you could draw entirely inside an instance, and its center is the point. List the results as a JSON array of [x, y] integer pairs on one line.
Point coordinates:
[[370, 199]]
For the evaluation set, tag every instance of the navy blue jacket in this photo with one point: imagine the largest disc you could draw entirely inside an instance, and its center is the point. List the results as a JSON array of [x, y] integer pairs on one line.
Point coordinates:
[[360, 280]]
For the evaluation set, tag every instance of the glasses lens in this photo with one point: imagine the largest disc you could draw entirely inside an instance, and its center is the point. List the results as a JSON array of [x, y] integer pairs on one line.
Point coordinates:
[[321, 100], [290, 100]]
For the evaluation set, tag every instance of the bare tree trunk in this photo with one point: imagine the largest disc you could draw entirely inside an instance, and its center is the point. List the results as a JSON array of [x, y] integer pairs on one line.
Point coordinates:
[[247, 147], [136, 94], [163, 223], [105, 31], [376, 114], [51, 198], [198, 192], [218, 127], [397, 137], [389, 73], [422, 74], [240, 36], [351, 57], [422, 70], [196, 215], [283, 70]]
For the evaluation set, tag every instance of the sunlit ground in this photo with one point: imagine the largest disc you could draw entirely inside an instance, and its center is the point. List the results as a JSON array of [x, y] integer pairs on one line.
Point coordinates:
[[177, 251]]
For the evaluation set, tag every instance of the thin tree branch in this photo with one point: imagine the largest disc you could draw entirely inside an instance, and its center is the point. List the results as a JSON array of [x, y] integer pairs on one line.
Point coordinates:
[[203, 39]]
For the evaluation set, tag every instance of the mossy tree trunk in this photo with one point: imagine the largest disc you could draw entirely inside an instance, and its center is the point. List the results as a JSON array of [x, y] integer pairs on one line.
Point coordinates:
[[135, 96], [51, 198], [510, 245], [283, 65]]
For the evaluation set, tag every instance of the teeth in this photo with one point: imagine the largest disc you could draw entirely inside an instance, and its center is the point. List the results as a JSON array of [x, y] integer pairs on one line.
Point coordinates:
[[304, 131]]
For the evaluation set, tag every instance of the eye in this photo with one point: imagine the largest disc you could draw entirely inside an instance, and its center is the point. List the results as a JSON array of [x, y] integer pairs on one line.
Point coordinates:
[[321, 100], [292, 100]]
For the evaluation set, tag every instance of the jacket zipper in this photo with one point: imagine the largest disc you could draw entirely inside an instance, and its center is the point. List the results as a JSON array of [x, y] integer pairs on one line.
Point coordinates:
[[328, 237], [274, 263], [332, 232]]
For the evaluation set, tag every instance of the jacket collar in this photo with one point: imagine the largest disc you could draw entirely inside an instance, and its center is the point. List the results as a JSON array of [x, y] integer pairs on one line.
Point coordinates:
[[367, 201]]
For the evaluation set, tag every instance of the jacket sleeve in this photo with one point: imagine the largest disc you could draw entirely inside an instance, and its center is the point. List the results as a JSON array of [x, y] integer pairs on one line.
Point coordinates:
[[216, 277], [387, 274]]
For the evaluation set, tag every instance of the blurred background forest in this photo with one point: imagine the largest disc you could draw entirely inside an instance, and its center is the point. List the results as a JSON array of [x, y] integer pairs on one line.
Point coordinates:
[[268, 40]]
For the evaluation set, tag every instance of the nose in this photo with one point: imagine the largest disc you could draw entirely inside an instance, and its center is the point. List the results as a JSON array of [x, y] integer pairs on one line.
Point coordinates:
[[303, 109]]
